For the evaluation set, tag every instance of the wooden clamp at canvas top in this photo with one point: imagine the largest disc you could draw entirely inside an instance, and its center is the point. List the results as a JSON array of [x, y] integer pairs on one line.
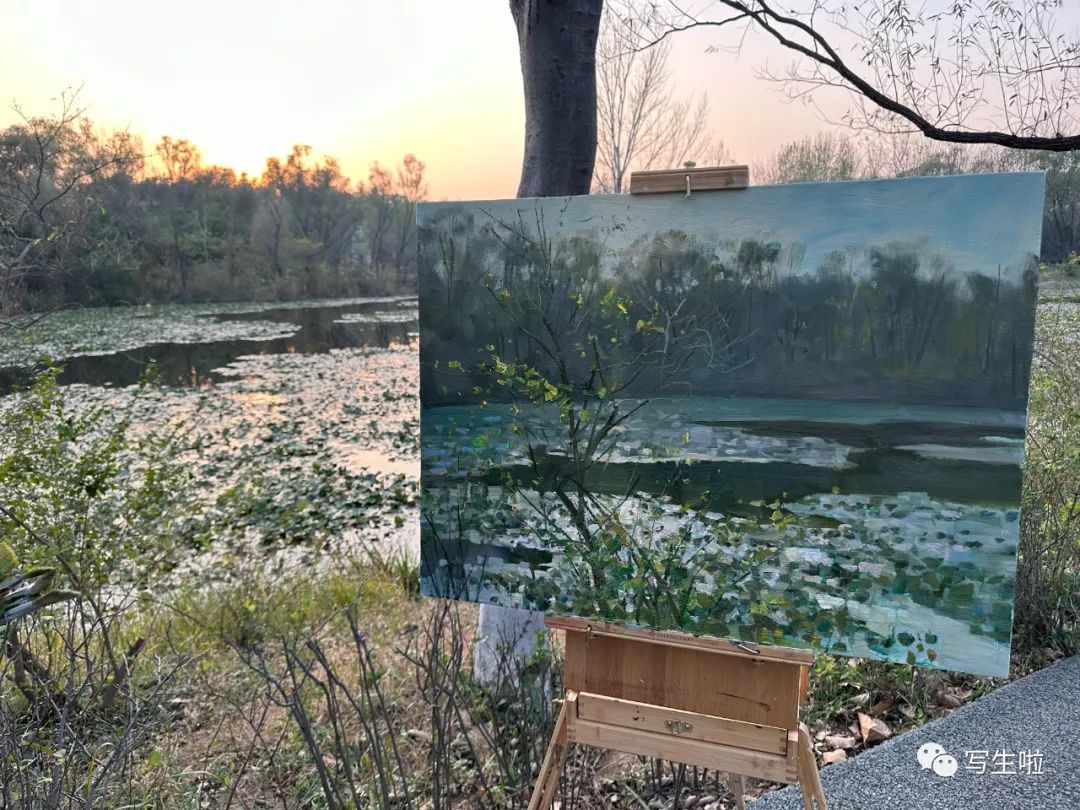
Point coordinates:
[[708, 702], [690, 178]]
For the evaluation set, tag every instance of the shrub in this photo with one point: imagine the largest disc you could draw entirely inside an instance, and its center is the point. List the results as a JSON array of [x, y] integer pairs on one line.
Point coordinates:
[[1048, 576], [80, 492]]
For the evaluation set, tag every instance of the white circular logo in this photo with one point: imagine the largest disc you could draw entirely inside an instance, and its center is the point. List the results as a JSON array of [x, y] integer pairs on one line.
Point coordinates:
[[928, 753], [944, 765]]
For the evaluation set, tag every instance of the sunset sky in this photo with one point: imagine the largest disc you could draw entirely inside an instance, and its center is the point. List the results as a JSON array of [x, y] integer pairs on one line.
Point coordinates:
[[359, 80]]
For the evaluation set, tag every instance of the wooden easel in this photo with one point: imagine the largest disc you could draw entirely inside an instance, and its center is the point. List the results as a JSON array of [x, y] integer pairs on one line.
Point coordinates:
[[709, 702]]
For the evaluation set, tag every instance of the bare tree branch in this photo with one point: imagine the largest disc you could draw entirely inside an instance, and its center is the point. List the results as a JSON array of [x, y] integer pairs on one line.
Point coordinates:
[[978, 72], [47, 164], [641, 123]]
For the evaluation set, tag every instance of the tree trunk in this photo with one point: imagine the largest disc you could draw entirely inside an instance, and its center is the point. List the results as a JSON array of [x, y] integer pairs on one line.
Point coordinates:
[[557, 39]]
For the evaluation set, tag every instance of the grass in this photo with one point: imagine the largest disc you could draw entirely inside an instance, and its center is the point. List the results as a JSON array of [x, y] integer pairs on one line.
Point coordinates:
[[227, 742], [229, 729], [258, 606], [905, 697]]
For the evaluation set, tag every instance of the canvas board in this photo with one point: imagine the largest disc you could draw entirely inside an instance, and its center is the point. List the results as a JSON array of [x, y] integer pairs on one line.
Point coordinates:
[[790, 415]]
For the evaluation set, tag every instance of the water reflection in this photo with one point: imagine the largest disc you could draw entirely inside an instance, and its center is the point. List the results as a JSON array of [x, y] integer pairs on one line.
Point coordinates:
[[318, 329]]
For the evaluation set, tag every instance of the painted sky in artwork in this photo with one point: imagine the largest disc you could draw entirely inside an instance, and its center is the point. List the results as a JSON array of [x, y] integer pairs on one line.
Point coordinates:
[[822, 217]]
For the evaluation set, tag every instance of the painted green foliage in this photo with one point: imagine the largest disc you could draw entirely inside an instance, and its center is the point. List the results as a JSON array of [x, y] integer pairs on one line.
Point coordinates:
[[584, 449]]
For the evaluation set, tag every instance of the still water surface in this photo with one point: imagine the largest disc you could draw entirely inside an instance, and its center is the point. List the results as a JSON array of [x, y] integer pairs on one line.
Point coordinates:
[[379, 323]]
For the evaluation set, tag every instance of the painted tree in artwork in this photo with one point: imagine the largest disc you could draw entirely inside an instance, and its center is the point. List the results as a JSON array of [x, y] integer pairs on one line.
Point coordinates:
[[589, 345], [551, 345], [577, 340], [595, 351]]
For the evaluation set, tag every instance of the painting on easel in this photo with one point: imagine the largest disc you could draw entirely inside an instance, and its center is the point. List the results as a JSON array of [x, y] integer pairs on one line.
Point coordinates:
[[792, 415]]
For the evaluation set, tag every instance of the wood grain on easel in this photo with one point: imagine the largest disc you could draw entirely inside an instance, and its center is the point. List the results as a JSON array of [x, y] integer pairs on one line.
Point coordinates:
[[675, 638], [690, 752], [746, 689], [647, 717], [808, 770], [709, 702], [555, 757]]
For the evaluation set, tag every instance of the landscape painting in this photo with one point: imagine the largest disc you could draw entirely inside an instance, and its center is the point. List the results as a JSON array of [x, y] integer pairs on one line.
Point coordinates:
[[788, 415]]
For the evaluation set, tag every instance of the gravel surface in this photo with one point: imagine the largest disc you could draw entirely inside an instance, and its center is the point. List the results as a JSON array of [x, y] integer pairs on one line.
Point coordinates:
[[1038, 713]]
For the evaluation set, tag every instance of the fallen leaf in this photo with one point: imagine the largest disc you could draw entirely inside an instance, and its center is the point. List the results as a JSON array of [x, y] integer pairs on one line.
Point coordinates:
[[841, 741], [873, 729], [949, 700], [829, 757], [881, 706]]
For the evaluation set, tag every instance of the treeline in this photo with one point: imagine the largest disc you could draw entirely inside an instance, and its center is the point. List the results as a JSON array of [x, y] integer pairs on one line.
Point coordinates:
[[88, 218], [831, 156], [889, 322]]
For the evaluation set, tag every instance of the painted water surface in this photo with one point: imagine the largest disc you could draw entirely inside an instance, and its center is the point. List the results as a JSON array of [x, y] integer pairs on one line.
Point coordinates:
[[793, 415], [891, 558]]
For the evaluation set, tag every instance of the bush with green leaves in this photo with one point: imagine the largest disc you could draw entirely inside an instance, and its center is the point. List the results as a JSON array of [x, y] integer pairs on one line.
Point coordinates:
[[87, 500], [656, 564], [82, 489]]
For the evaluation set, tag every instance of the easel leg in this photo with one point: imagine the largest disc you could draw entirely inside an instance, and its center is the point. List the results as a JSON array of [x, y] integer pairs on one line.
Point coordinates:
[[548, 778], [736, 785], [809, 778]]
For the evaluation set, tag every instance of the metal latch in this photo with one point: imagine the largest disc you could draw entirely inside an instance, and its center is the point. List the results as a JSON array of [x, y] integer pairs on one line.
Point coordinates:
[[678, 727]]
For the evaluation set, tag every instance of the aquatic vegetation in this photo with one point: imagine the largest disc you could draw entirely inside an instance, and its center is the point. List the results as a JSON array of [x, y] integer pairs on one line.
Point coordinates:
[[844, 573], [400, 315], [1062, 318], [107, 330], [293, 456], [71, 333]]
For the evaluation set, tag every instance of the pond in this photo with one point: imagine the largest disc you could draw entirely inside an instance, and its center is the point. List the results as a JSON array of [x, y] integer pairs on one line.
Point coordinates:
[[304, 414], [115, 346]]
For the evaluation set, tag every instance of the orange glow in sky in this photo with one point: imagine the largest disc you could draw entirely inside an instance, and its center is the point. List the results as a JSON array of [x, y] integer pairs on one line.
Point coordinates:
[[359, 80]]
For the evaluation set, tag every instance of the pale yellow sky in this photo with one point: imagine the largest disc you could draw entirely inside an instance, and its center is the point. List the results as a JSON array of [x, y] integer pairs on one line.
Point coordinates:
[[359, 80]]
